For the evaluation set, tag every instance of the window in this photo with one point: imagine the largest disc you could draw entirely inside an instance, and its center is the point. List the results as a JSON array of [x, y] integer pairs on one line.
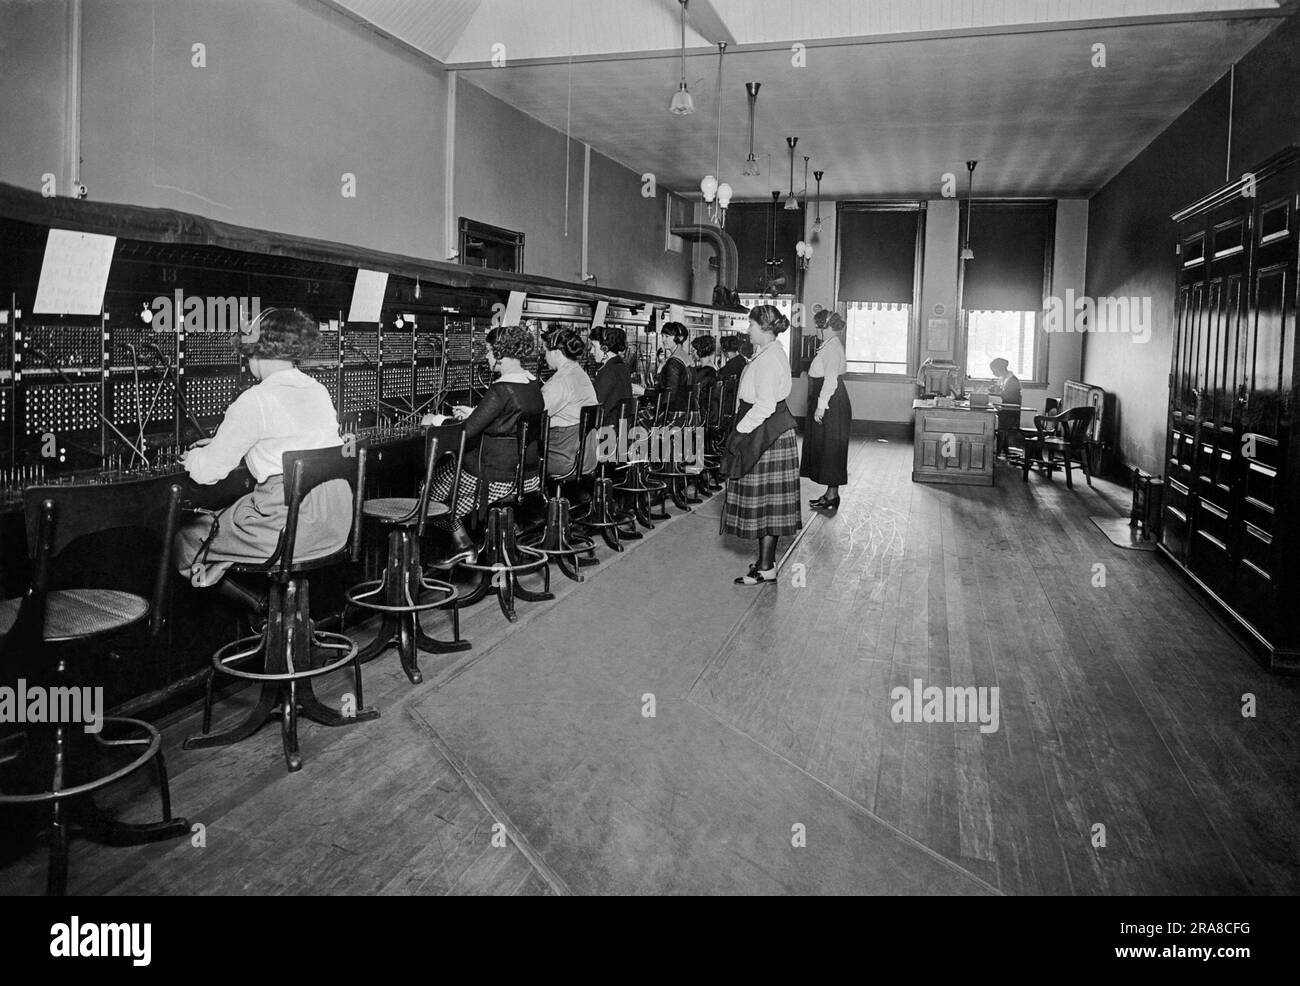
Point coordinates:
[[482, 245], [875, 337], [1011, 335], [1004, 288], [879, 250]]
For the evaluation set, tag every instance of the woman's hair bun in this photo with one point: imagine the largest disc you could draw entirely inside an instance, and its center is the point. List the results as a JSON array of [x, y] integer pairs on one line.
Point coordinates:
[[567, 340], [769, 317]]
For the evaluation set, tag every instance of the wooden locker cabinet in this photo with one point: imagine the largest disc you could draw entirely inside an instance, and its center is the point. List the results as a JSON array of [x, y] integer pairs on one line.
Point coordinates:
[[1231, 515]]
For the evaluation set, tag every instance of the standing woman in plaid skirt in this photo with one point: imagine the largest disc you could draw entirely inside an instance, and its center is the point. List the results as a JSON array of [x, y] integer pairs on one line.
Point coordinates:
[[762, 460]]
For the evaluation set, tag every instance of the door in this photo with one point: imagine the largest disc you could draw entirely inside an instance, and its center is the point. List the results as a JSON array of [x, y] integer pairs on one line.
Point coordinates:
[[1215, 450], [1265, 409]]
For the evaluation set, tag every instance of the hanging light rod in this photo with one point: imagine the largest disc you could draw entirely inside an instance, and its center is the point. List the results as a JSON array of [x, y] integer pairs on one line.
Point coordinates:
[[682, 103], [791, 203], [966, 252], [751, 163], [817, 222]]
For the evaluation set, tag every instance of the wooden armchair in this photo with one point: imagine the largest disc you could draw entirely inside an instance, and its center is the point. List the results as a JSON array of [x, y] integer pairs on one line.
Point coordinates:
[[1066, 434]]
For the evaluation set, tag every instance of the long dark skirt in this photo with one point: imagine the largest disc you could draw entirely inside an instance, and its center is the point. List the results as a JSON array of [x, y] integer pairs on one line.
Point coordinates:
[[826, 445], [765, 501]]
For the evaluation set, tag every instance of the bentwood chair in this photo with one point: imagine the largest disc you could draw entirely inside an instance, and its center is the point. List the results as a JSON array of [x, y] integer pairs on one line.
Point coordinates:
[[101, 569], [289, 643], [398, 595], [502, 558], [557, 540], [603, 513], [637, 487]]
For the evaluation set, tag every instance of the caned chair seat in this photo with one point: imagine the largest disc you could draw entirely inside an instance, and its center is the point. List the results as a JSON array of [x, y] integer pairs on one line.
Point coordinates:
[[71, 614], [396, 507]]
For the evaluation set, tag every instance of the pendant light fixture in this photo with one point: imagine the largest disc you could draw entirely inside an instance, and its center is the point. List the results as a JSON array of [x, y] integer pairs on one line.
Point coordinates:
[[791, 203], [682, 103], [817, 222], [751, 162], [966, 252], [717, 195]]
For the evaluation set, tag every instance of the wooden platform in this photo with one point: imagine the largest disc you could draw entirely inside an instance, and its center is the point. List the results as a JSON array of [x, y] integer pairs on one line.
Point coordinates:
[[1120, 706]]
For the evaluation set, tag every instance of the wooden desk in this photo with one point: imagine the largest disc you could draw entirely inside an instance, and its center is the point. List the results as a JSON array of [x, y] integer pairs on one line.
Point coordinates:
[[953, 445]]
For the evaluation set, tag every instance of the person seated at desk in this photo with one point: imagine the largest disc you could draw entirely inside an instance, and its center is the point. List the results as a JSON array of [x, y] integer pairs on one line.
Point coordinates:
[[736, 362], [286, 411], [613, 381], [566, 393], [1006, 385], [514, 392]]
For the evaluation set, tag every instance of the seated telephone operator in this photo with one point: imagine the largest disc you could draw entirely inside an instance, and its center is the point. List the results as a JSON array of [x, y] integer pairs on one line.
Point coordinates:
[[566, 393], [286, 411], [514, 392]]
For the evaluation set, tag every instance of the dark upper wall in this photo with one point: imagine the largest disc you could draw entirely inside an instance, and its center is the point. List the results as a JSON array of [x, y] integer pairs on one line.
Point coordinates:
[[293, 96], [1131, 240]]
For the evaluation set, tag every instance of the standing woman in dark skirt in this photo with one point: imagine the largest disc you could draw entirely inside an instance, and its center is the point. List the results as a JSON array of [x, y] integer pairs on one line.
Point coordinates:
[[830, 416], [762, 460]]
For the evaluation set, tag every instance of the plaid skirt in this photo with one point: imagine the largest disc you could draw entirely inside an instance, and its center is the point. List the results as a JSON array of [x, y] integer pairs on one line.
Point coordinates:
[[467, 495], [765, 501]]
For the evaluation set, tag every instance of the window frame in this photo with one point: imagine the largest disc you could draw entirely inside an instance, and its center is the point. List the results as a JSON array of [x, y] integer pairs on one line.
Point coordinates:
[[918, 270], [1042, 340]]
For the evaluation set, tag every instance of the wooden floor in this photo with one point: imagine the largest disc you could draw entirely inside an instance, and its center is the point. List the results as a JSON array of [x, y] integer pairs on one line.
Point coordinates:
[[527, 765]]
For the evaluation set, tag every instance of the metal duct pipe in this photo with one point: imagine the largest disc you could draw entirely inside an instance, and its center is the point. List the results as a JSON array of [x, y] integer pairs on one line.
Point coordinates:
[[725, 247]]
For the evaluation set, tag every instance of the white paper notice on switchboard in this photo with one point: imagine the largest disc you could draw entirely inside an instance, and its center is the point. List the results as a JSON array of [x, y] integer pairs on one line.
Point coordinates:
[[74, 273], [368, 295]]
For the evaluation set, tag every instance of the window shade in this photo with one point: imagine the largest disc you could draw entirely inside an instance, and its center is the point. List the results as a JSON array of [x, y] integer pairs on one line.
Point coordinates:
[[877, 254], [1011, 243]]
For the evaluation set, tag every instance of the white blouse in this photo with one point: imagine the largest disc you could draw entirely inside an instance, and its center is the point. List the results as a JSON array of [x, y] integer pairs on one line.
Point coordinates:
[[830, 364], [286, 412], [764, 383], [567, 392]]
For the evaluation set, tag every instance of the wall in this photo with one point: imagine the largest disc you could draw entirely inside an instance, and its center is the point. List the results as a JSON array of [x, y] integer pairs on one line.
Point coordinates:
[[510, 172], [33, 66], [1131, 239], [260, 136], [626, 235]]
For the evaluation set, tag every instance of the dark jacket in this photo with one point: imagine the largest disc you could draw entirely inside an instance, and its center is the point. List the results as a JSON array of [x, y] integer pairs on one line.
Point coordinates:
[[613, 384], [705, 377], [733, 367], [490, 430], [675, 383]]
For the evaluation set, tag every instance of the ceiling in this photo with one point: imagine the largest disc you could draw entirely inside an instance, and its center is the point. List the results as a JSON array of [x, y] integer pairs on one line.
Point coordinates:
[[893, 94]]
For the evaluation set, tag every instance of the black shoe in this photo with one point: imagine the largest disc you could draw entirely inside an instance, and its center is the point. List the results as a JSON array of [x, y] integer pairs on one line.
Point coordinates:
[[824, 504], [756, 577], [462, 550]]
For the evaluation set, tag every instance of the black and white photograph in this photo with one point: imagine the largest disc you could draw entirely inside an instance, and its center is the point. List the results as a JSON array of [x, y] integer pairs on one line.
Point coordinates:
[[651, 448]]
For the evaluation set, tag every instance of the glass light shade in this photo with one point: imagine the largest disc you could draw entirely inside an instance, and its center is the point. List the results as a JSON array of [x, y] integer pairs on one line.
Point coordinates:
[[724, 194], [808, 252], [817, 226], [801, 248], [751, 167], [146, 314], [682, 103], [709, 186], [967, 253], [791, 204]]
